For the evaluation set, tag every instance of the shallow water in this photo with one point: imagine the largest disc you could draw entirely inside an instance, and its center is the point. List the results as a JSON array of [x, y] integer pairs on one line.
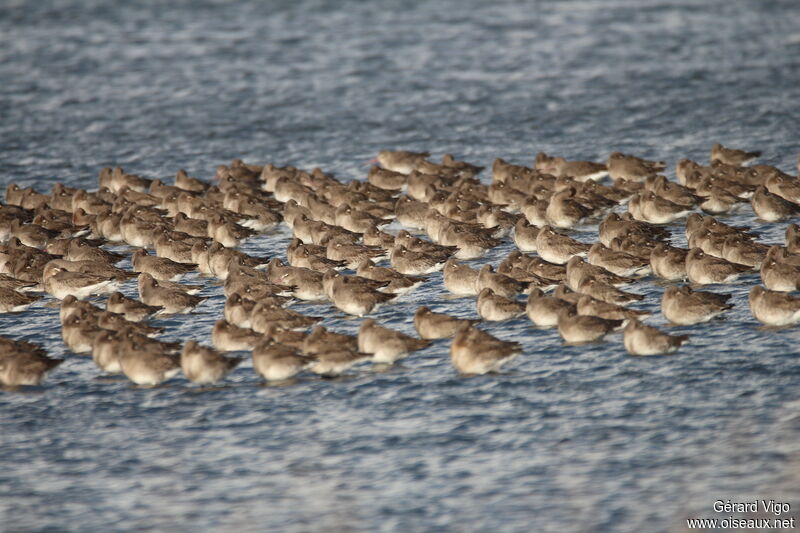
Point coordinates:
[[568, 438]]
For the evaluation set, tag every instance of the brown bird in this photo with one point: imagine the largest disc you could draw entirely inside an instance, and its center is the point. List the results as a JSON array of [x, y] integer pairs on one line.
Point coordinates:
[[792, 238], [732, 156], [640, 339], [8, 282], [525, 235], [188, 183], [464, 168], [607, 293], [131, 309], [780, 273], [543, 310], [12, 301], [228, 337], [473, 351], [204, 365], [558, 248], [785, 186], [83, 250], [460, 279], [668, 262], [578, 271], [304, 256], [683, 306], [352, 254], [171, 300], [674, 192], [432, 325], [619, 263], [287, 337], [148, 367], [415, 244], [771, 207], [774, 308], [21, 367], [160, 268], [381, 239], [401, 161], [564, 211], [307, 282], [277, 362], [632, 168], [578, 329], [336, 361], [589, 306], [265, 313], [615, 225], [413, 263], [472, 242], [321, 339], [649, 207], [386, 345], [500, 284], [60, 283], [703, 269], [397, 283], [106, 350], [579, 170], [354, 298], [115, 322], [355, 220], [72, 306], [387, 179], [494, 307], [737, 249]]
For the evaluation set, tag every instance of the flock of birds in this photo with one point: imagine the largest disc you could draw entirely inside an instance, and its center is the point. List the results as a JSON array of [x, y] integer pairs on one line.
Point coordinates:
[[53, 245]]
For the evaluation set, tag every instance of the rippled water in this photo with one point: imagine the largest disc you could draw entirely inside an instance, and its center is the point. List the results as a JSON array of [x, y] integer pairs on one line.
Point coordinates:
[[569, 438]]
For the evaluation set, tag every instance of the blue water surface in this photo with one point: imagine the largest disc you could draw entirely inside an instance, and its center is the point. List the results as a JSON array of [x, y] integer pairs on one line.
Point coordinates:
[[568, 439]]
